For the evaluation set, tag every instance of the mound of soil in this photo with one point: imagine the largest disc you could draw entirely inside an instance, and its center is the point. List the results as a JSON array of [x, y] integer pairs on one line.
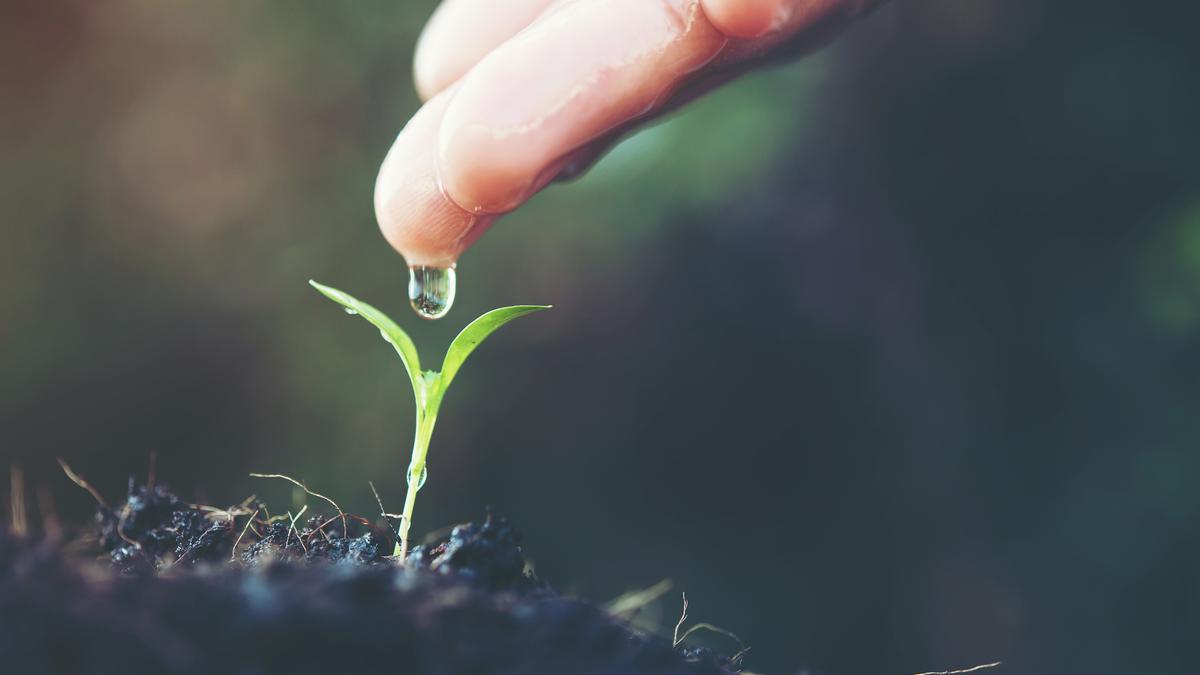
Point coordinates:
[[185, 589]]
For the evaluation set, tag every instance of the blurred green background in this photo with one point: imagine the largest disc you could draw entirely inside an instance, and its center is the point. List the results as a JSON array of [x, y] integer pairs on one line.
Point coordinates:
[[889, 358]]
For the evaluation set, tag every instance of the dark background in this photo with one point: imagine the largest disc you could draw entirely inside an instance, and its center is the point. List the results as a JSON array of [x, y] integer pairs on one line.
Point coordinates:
[[888, 358]]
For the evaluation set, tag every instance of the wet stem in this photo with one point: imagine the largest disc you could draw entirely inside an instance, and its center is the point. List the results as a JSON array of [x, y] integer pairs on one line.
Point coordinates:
[[428, 401]]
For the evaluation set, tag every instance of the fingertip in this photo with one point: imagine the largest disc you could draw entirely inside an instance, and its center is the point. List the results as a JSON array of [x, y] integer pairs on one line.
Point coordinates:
[[745, 18], [426, 78], [415, 215]]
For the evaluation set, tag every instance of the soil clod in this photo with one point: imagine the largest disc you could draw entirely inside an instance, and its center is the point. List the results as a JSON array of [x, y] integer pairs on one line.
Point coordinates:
[[488, 554]]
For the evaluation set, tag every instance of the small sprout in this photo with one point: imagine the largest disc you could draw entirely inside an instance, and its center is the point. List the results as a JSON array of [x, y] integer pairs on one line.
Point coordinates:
[[428, 386]]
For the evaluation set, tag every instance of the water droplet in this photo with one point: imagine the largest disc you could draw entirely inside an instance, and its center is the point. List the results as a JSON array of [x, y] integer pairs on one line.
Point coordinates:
[[424, 477], [351, 312], [431, 290]]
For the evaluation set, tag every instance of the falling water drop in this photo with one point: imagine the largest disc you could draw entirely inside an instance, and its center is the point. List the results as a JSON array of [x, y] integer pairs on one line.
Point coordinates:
[[424, 477], [349, 311], [431, 290]]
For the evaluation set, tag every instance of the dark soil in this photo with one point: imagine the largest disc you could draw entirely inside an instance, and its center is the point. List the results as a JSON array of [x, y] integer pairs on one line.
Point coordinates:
[[172, 595]]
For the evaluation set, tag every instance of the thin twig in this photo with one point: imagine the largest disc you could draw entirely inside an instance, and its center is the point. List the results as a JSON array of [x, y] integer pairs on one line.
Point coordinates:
[[382, 511], [231, 512], [323, 525], [78, 480], [292, 522], [302, 486], [321, 530], [702, 626], [293, 527], [711, 627], [964, 670], [300, 539], [124, 537], [387, 519], [682, 617], [233, 553], [215, 513]]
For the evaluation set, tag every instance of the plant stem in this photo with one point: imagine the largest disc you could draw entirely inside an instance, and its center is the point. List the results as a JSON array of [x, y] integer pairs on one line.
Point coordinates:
[[416, 469]]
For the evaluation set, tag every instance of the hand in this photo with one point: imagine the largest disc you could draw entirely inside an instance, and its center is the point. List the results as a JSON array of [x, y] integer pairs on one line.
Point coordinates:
[[520, 92]]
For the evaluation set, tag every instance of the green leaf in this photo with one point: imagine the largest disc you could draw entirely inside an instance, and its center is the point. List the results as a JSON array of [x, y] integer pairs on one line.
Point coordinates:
[[387, 328], [475, 333]]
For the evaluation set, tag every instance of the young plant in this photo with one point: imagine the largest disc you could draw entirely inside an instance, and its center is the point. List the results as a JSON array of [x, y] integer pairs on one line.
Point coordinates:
[[428, 386]]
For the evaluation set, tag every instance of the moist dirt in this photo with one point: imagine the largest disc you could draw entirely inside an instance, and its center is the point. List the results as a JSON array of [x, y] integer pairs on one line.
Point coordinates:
[[168, 587]]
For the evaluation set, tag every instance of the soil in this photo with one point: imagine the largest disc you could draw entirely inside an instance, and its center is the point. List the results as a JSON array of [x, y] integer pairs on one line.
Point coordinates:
[[174, 588]]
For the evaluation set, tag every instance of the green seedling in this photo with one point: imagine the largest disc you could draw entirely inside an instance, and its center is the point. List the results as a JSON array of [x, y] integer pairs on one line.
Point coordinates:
[[428, 386]]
